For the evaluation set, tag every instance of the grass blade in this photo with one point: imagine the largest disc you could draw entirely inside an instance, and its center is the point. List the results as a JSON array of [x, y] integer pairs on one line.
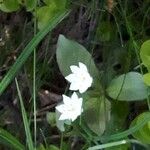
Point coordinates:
[[9, 140], [25, 120], [29, 49]]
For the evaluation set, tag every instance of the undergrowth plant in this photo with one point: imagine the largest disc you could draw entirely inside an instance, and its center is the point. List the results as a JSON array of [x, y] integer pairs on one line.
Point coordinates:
[[86, 86]]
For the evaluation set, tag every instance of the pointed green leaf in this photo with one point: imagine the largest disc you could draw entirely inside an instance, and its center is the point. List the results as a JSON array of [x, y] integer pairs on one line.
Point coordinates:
[[71, 53], [96, 114]]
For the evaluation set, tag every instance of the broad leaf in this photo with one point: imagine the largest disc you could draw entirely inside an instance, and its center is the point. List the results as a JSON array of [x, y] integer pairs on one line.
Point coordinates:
[[143, 134], [145, 53], [44, 14], [96, 114], [50, 117], [9, 5], [128, 87], [60, 4], [71, 53], [117, 118], [146, 78]]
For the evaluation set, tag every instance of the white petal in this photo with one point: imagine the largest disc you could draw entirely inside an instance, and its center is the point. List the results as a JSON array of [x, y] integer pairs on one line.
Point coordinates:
[[66, 99], [74, 69], [90, 80], [74, 86], [74, 117], [83, 89], [74, 96], [60, 108], [80, 101], [63, 117], [70, 78], [83, 67]]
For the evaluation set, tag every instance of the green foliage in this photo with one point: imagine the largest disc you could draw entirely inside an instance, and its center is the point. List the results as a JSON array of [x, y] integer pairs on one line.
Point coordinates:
[[60, 4], [50, 117], [146, 78], [30, 4], [9, 5], [145, 53], [120, 147], [128, 87], [105, 32], [143, 133], [45, 13], [96, 114], [71, 53], [25, 119], [9, 140], [145, 56], [117, 117], [50, 147]]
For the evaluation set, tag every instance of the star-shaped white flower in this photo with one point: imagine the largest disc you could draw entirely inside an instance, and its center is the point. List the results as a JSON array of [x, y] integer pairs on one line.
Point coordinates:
[[80, 78], [71, 107]]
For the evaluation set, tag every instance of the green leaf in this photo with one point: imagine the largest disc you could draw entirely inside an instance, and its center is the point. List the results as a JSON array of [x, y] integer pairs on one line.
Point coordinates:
[[143, 133], [41, 147], [120, 147], [52, 147], [117, 118], [145, 53], [105, 31], [128, 87], [60, 4], [127, 132], [9, 140], [96, 114], [9, 5], [50, 117], [29, 49], [48, 2], [30, 4], [71, 53], [44, 14], [146, 78]]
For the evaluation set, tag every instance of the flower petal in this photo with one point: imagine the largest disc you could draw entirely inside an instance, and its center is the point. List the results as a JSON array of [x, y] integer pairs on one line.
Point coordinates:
[[66, 99], [60, 108], [83, 67], [83, 89], [74, 96], [71, 77], [74, 68], [63, 117], [74, 117], [74, 86]]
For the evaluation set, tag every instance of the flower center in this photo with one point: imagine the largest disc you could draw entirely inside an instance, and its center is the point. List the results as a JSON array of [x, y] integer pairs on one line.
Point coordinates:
[[71, 108], [83, 77]]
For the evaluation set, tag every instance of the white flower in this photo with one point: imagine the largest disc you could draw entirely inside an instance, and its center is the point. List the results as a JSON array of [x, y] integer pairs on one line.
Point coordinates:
[[80, 78], [71, 107]]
